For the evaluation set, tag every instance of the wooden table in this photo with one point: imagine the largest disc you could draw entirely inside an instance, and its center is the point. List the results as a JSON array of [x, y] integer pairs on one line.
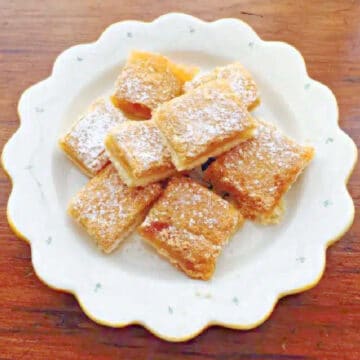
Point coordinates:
[[39, 323]]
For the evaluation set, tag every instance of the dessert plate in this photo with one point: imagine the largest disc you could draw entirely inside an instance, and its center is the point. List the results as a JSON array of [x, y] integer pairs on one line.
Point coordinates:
[[134, 285]]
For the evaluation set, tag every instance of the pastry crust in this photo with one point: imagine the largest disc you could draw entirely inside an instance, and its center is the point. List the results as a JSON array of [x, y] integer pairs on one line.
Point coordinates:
[[147, 80], [138, 153], [189, 225], [203, 123], [258, 172], [239, 78], [84, 142], [109, 210]]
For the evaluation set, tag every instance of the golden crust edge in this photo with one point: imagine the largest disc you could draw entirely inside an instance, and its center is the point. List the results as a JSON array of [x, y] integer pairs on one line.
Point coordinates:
[[131, 181], [166, 255], [185, 165], [70, 155]]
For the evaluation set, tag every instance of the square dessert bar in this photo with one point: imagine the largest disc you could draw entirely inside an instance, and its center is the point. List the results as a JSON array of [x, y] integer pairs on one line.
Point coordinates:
[[84, 143], [109, 210], [239, 78], [189, 225], [203, 123], [258, 172], [138, 152], [148, 80]]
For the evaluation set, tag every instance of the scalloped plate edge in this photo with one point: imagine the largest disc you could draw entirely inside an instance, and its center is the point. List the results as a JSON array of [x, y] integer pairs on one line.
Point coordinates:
[[210, 323]]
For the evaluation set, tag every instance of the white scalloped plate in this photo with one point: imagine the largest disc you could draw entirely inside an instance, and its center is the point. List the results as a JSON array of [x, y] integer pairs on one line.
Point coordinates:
[[134, 285]]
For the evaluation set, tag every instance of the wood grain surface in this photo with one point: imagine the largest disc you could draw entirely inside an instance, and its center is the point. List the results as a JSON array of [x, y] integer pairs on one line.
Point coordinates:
[[39, 323]]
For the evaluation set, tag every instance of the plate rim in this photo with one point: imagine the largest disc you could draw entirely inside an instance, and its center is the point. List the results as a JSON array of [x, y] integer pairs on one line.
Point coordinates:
[[12, 222]]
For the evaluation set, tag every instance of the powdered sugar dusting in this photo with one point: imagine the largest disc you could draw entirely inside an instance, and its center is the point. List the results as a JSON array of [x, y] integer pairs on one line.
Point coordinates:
[[194, 248], [239, 78], [147, 79], [106, 207], [261, 169], [208, 114], [188, 205], [142, 145], [189, 224], [88, 134]]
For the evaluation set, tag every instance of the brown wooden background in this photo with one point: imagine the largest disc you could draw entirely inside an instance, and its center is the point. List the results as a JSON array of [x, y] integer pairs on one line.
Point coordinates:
[[39, 323]]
